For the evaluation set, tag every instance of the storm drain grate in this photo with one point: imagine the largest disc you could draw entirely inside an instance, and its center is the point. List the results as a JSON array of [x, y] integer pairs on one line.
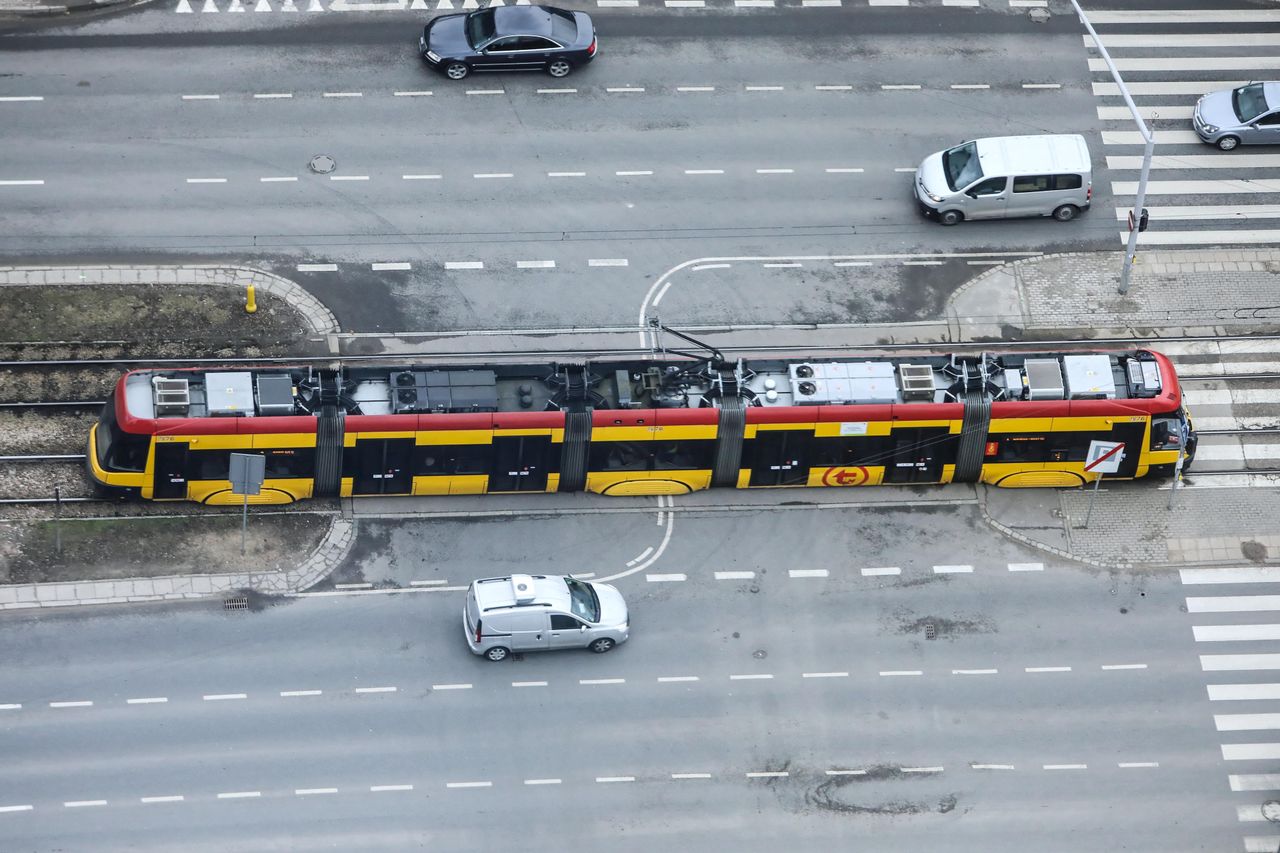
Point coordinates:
[[930, 632], [235, 604]]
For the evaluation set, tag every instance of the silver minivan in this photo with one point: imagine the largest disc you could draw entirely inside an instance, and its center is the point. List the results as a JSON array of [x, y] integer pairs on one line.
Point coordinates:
[[1006, 176], [533, 613]]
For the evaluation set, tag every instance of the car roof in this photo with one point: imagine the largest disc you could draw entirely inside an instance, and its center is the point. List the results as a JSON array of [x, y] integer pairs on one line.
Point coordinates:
[[1271, 91], [497, 593], [521, 20], [1005, 155]]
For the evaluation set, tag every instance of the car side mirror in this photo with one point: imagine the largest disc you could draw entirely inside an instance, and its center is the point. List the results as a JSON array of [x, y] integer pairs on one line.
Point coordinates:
[[582, 629]]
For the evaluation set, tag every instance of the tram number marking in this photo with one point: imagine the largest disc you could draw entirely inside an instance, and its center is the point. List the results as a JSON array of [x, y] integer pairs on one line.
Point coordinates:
[[851, 476]]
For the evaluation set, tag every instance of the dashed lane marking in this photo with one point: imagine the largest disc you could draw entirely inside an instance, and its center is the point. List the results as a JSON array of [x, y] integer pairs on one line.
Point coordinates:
[[220, 697], [317, 267], [285, 693], [376, 689], [149, 700], [669, 679], [665, 578], [602, 681], [751, 677], [382, 788], [734, 576], [607, 779], [1026, 567], [606, 262], [307, 792], [1117, 666], [690, 775], [239, 795], [808, 573], [75, 804], [542, 781], [81, 703], [951, 570], [528, 684], [975, 672], [895, 672], [451, 687], [167, 798], [1066, 766], [468, 784], [390, 265], [768, 774], [1046, 669], [824, 675]]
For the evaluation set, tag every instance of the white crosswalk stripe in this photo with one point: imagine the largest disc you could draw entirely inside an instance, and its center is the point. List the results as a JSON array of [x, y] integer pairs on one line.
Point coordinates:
[[1169, 58]]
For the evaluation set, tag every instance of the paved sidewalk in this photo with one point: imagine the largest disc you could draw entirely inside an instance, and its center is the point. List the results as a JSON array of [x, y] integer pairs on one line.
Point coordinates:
[[51, 8], [1063, 295]]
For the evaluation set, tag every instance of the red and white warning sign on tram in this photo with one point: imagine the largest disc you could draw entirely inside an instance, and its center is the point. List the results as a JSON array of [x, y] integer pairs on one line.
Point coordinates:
[[1104, 457]]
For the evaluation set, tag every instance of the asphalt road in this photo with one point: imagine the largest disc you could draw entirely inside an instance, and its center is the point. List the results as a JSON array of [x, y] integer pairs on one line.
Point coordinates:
[[1056, 709]]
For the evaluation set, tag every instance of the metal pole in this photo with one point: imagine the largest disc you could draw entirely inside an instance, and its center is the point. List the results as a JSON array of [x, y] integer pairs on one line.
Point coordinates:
[[1132, 247], [1092, 496], [1177, 470], [244, 524], [57, 519]]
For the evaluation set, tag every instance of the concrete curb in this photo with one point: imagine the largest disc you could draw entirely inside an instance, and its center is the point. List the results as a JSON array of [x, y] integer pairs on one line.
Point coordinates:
[[317, 317], [322, 560], [1041, 546], [35, 9]]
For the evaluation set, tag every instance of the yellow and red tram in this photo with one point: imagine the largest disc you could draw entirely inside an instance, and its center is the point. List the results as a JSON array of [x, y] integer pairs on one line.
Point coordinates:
[[640, 427]]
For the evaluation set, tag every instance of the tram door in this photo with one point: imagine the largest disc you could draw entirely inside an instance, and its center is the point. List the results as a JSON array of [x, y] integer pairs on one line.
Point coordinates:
[[519, 463], [781, 457], [382, 466], [918, 454], [170, 478]]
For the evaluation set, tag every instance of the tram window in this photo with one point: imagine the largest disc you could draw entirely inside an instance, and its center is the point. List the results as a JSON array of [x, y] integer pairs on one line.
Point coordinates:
[[1166, 434], [291, 462], [861, 450], [690, 453], [1022, 448], [471, 458], [620, 455], [443, 459], [119, 450], [208, 464]]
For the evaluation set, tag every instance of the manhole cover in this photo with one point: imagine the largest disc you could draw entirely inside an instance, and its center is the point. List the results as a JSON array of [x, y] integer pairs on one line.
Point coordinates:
[[322, 164], [759, 654], [930, 632]]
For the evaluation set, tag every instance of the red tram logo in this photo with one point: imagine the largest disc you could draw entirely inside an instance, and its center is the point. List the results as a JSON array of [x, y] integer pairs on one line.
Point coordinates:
[[852, 476]]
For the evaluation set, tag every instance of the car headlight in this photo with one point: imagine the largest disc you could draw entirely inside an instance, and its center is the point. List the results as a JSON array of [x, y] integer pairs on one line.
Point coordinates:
[[937, 199], [1209, 128], [433, 56]]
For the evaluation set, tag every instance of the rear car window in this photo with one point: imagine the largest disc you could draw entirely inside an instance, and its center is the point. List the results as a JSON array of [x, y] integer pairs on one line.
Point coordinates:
[[1044, 183]]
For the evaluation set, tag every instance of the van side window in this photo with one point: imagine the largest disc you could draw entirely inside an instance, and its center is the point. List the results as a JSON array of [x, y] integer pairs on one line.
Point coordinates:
[[560, 622], [1067, 182], [1032, 183], [991, 186]]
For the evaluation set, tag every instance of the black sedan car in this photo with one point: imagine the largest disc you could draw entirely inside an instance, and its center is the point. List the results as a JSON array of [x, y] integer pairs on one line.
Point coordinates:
[[504, 38]]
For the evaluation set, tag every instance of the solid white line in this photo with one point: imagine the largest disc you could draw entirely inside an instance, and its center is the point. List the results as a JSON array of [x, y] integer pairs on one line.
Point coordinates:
[[690, 775], [75, 804], [606, 262], [420, 94], [1047, 669], [451, 687], [1246, 722], [306, 792], [1234, 633], [464, 265], [643, 554], [852, 264], [542, 781], [734, 576], [428, 583], [1026, 567], [150, 700], [921, 263], [189, 97], [952, 570], [343, 94], [285, 693], [824, 675], [889, 672], [633, 173], [389, 265], [206, 180], [991, 766], [273, 95], [1066, 767], [789, 265], [420, 177], [695, 88], [566, 174], [281, 180], [484, 175], [353, 585], [701, 267], [751, 677], [348, 177], [535, 265], [1232, 603], [528, 684], [846, 773], [665, 679], [1250, 751], [665, 578], [602, 681], [975, 671], [882, 570], [239, 795], [1254, 781], [1111, 666], [768, 774], [808, 573], [1243, 574], [468, 784], [375, 690], [615, 778], [218, 697], [1238, 692], [1132, 764], [171, 798], [1238, 663], [317, 267], [379, 788]]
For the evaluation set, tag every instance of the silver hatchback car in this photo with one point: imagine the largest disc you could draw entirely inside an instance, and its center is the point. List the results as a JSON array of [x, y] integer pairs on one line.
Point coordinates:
[[533, 613], [1247, 115]]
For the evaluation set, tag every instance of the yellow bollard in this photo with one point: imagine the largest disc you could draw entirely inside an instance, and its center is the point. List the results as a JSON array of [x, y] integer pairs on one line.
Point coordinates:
[[250, 303]]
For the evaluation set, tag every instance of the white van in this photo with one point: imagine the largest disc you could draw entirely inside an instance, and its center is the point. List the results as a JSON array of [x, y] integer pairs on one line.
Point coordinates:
[[1007, 176], [530, 613]]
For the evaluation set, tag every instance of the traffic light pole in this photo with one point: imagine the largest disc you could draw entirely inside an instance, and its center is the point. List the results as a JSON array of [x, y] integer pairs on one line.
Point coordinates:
[[1139, 202]]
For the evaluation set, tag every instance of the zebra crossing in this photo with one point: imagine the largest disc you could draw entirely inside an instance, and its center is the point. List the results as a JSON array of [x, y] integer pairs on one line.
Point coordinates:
[[1231, 629], [1196, 195], [1238, 419]]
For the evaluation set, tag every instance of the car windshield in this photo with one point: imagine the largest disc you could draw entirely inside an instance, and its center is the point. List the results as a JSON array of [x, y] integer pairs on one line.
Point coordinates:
[[480, 27], [582, 600], [1249, 102], [961, 165]]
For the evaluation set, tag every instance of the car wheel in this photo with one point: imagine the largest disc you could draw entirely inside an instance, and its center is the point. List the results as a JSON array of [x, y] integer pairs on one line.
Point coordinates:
[[497, 653], [601, 645], [457, 70], [1227, 143], [950, 217], [1066, 213], [559, 68]]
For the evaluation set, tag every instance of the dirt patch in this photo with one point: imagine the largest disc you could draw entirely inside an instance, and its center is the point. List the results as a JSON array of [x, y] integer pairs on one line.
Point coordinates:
[[145, 313], [25, 433], [106, 549]]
